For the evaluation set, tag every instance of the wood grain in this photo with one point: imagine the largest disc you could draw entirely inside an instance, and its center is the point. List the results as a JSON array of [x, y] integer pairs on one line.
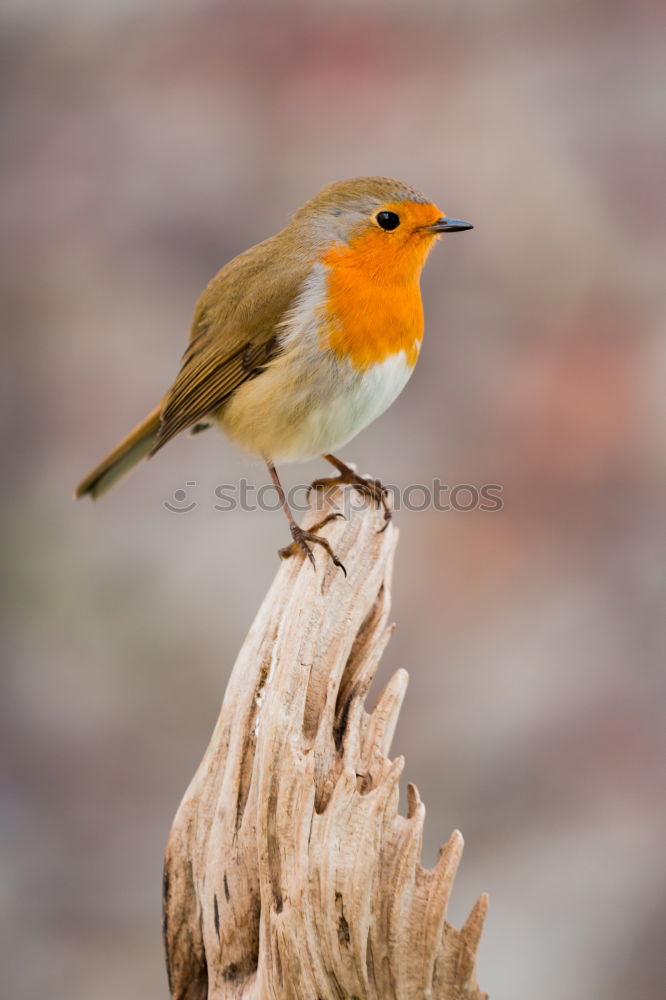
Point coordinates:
[[289, 872]]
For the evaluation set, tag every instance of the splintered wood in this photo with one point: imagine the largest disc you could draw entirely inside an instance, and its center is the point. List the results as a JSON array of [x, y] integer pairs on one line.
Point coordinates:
[[289, 873]]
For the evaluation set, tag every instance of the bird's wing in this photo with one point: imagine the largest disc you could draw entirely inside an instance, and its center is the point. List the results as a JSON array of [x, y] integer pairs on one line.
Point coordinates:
[[208, 377], [234, 333]]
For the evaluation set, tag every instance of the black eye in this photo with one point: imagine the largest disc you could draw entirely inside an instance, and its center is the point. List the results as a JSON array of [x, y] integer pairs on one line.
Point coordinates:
[[388, 220]]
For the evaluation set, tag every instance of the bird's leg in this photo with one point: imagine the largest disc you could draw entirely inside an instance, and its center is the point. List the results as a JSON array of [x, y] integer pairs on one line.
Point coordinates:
[[302, 536], [370, 487]]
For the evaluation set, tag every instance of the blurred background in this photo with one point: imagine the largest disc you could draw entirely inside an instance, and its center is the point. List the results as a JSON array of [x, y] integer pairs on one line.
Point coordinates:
[[145, 144]]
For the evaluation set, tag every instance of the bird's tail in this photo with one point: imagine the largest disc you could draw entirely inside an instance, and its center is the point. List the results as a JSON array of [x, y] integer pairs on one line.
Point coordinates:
[[122, 459]]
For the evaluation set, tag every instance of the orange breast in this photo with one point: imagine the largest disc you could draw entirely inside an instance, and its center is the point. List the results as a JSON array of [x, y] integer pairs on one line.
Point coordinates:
[[374, 307]]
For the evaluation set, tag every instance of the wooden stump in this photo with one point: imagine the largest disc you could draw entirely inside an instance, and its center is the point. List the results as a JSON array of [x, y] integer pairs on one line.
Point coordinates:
[[289, 873]]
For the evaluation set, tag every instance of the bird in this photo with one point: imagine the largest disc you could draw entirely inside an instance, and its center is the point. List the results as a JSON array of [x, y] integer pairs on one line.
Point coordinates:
[[303, 340]]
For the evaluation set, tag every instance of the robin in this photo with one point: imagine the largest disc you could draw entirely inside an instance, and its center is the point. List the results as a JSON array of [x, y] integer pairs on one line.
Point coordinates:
[[299, 343]]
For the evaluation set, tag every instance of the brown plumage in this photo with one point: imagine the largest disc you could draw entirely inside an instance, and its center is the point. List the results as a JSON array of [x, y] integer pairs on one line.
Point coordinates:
[[232, 337], [303, 340]]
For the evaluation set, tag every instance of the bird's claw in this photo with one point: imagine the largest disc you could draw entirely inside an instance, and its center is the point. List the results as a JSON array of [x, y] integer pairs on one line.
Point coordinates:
[[370, 487], [301, 537]]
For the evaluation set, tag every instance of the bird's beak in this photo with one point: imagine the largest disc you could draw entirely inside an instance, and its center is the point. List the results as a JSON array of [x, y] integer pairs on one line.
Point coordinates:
[[448, 226]]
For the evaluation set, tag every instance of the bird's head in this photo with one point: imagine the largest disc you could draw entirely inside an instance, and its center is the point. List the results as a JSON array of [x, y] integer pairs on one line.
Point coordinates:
[[382, 225]]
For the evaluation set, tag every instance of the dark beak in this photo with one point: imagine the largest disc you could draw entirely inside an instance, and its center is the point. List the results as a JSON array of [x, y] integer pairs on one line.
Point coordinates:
[[448, 226]]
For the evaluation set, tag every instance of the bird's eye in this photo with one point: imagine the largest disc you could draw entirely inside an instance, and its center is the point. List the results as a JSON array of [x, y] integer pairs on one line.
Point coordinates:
[[388, 220]]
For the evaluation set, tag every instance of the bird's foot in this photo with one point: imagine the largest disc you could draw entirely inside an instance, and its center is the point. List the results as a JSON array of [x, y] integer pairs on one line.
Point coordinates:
[[364, 484], [302, 536]]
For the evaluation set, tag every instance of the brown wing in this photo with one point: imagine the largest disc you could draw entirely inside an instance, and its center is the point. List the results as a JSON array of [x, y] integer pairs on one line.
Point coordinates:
[[208, 377], [234, 332]]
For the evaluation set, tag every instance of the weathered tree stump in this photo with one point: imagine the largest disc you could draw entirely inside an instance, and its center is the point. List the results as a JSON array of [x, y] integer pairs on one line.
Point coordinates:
[[289, 874]]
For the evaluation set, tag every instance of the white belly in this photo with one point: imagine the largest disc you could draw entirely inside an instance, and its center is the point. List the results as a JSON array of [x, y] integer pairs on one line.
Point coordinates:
[[337, 419], [308, 401], [294, 412]]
